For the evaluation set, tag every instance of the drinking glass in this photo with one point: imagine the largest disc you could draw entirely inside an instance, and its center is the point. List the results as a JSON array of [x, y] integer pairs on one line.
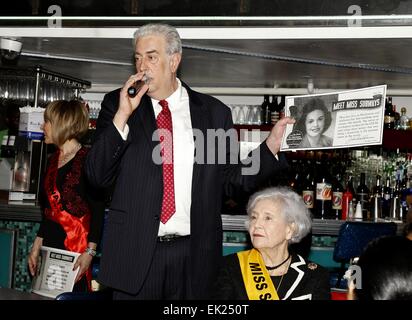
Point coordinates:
[[241, 117]]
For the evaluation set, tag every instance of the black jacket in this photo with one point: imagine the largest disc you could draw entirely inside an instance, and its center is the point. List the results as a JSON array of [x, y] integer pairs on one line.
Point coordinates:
[[303, 281]]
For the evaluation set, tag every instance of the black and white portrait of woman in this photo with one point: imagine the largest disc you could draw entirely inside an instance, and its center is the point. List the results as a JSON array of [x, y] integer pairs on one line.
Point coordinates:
[[313, 120]]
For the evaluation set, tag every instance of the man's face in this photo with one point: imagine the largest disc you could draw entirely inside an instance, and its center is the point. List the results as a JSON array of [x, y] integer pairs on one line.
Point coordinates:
[[152, 59]]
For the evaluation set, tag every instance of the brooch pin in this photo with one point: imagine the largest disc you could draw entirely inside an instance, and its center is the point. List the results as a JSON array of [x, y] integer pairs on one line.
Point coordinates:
[[312, 266]]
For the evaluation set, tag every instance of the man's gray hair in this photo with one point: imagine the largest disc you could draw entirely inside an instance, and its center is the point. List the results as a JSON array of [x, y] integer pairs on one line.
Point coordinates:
[[292, 207], [174, 43]]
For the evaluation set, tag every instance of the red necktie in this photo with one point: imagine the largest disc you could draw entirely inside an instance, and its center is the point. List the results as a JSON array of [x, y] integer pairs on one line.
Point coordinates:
[[164, 124]]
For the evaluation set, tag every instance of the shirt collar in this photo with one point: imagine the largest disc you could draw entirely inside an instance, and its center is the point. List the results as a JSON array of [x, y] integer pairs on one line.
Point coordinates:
[[174, 99]]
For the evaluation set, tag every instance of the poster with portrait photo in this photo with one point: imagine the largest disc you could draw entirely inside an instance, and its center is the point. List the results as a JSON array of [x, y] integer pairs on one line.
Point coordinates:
[[341, 119]]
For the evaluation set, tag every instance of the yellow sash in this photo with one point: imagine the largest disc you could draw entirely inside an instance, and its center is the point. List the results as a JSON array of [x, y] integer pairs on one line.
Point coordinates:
[[256, 278]]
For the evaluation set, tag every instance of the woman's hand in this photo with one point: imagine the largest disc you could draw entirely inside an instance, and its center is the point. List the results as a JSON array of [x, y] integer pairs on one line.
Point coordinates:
[[127, 104], [275, 137], [33, 256], [32, 261], [83, 262]]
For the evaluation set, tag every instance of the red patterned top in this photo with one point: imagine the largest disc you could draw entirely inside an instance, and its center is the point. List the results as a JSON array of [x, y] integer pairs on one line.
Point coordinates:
[[73, 210]]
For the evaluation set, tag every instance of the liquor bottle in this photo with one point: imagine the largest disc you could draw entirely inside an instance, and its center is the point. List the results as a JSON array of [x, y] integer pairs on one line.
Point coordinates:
[[265, 110], [274, 110], [406, 192], [387, 196], [362, 196], [397, 117], [347, 198], [301, 176], [351, 213], [294, 182], [294, 176], [337, 197], [389, 120], [404, 121], [377, 189], [376, 200], [399, 192], [309, 190], [323, 192], [395, 212]]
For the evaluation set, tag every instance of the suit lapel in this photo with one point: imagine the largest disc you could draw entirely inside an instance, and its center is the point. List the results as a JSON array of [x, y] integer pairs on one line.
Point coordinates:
[[198, 116], [300, 273]]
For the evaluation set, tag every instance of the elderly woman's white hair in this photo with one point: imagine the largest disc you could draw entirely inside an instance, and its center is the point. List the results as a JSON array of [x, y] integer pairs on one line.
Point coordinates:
[[292, 207]]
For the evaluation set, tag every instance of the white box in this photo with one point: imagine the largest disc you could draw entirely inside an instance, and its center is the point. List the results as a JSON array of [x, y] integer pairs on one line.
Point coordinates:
[[54, 274], [31, 120]]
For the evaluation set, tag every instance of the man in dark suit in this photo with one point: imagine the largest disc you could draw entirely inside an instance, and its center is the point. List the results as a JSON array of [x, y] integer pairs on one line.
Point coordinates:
[[163, 235]]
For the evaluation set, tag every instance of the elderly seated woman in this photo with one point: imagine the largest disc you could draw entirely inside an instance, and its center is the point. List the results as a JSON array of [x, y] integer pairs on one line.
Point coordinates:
[[278, 217]]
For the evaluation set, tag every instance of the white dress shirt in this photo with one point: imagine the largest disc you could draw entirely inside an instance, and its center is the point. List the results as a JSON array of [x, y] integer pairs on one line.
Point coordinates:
[[183, 158]]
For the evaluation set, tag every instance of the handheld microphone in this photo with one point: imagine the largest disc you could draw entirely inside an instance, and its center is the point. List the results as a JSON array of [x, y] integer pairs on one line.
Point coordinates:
[[135, 88]]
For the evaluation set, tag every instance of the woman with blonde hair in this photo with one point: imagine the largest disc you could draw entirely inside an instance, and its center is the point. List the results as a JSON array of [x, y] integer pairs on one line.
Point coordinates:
[[72, 210]]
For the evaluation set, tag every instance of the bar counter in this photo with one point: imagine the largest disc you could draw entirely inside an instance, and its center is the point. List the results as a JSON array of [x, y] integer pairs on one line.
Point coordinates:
[[20, 211], [328, 227], [23, 220]]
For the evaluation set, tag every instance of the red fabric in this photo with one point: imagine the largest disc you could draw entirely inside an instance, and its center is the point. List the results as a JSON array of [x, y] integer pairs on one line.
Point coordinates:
[[72, 200], [76, 228], [338, 295], [164, 124]]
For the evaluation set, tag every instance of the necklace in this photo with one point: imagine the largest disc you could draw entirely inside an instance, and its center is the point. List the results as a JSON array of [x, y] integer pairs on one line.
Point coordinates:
[[280, 264], [68, 155], [280, 282], [281, 278]]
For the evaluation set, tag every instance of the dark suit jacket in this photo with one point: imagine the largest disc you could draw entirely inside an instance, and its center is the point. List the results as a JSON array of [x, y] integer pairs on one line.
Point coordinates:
[[303, 281], [133, 219]]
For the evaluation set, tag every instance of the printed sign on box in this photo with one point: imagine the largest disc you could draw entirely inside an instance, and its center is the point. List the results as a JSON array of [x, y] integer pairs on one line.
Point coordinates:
[[54, 274], [30, 123]]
